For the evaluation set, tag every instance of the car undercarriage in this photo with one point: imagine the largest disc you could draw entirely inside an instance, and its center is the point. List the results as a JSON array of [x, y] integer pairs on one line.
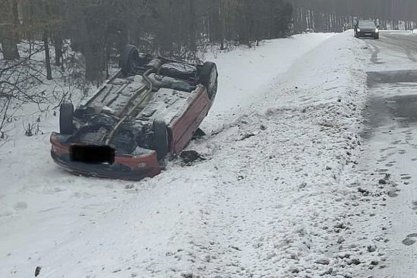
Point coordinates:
[[152, 106]]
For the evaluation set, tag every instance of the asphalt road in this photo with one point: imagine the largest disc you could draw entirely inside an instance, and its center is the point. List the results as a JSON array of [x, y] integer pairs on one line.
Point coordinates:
[[392, 81], [391, 146]]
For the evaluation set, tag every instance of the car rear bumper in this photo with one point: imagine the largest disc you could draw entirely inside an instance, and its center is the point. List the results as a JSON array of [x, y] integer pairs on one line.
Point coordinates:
[[124, 167]]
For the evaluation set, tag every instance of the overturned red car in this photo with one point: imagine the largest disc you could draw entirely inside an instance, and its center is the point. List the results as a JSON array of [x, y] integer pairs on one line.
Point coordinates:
[[151, 108]]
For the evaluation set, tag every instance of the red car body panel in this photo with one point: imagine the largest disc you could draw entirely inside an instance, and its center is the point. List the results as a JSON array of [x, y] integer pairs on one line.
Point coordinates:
[[183, 127]]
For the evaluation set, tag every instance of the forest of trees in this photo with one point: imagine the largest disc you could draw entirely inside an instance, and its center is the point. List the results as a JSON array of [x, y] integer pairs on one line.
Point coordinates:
[[334, 15], [181, 28], [96, 28]]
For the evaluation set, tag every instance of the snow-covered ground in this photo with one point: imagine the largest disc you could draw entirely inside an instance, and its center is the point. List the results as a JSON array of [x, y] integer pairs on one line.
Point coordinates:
[[245, 74], [269, 200]]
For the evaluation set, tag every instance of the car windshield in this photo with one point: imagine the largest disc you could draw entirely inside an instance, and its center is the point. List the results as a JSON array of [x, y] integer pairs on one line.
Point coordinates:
[[208, 138], [366, 24]]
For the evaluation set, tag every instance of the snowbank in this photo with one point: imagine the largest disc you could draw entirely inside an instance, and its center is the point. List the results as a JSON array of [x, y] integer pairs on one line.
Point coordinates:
[[245, 74], [267, 200], [280, 206]]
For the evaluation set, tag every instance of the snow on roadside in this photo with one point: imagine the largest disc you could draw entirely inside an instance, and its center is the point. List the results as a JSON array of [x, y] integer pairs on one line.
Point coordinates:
[[268, 200], [281, 209], [246, 74]]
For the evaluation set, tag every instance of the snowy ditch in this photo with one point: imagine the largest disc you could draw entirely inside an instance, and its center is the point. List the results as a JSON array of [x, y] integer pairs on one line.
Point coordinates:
[[283, 204], [273, 197]]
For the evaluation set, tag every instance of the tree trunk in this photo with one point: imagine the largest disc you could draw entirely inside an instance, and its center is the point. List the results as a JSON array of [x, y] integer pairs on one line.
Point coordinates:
[[47, 56], [93, 62], [192, 25], [58, 50], [9, 43], [222, 25], [8, 29]]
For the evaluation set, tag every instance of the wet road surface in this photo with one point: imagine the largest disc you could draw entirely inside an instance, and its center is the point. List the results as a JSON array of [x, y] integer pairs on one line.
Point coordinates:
[[391, 144]]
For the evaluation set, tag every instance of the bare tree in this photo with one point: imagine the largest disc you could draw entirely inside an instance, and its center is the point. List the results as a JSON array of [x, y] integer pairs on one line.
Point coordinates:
[[16, 81], [9, 24]]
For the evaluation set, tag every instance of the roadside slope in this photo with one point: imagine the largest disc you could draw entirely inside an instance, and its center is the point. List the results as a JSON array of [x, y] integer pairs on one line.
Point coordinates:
[[245, 75], [280, 207], [266, 201]]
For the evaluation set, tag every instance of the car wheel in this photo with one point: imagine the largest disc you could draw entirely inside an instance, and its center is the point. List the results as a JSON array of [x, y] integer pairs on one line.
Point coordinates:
[[377, 37], [66, 119], [208, 76], [161, 140], [129, 60]]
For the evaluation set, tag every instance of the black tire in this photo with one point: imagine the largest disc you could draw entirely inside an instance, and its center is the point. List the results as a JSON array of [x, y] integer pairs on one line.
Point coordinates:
[[161, 140], [66, 119], [377, 37], [208, 76], [129, 60]]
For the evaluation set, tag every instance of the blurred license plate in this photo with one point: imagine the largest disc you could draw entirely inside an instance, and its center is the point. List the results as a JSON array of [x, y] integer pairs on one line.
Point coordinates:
[[92, 154]]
